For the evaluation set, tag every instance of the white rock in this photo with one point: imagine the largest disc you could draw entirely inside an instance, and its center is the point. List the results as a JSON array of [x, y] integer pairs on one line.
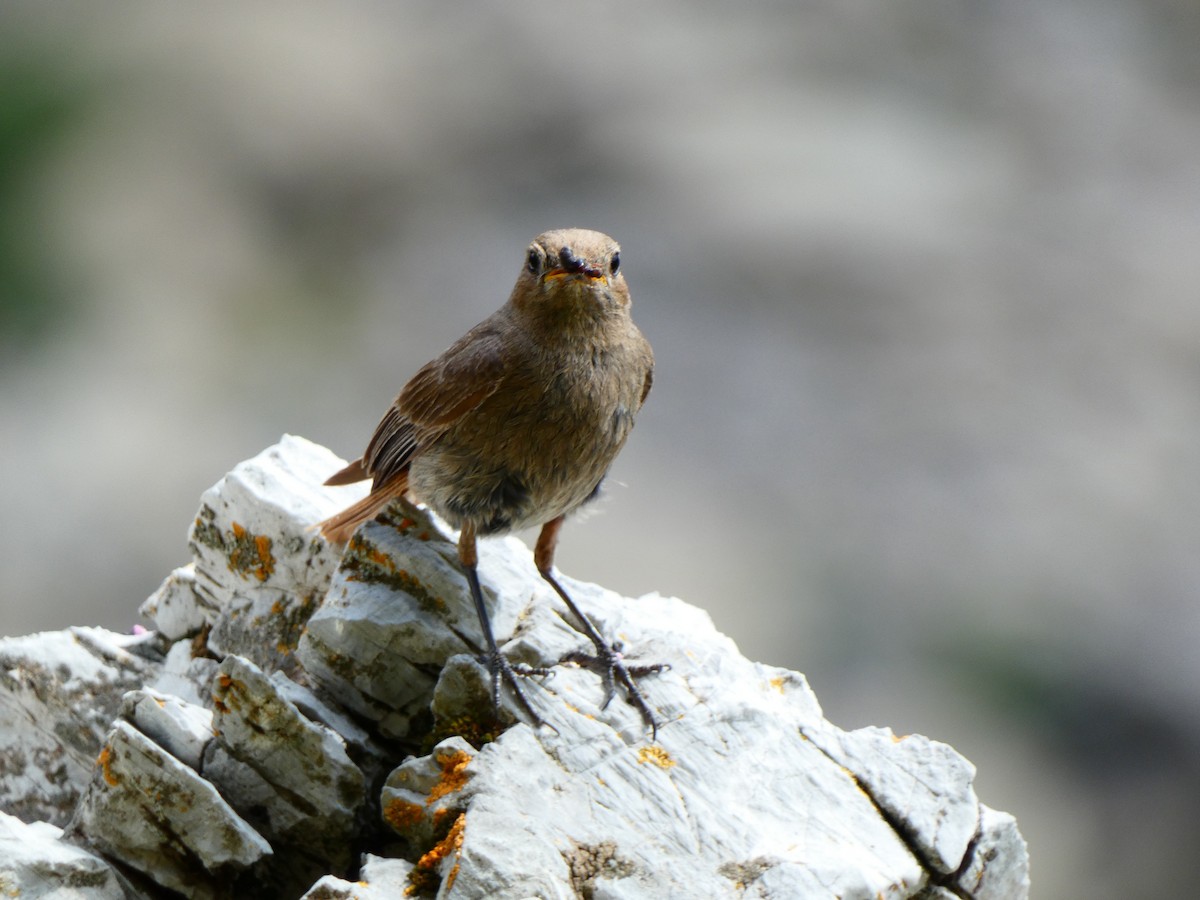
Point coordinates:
[[755, 788], [148, 810], [180, 728], [36, 864], [746, 791], [726, 797], [999, 867], [387, 875], [372, 757], [921, 785], [394, 613], [278, 495], [260, 568], [185, 675], [59, 692], [382, 879], [291, 777], [177, 608]]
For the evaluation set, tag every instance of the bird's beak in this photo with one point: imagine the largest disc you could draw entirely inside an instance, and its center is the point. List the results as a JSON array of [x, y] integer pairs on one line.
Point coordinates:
[[588, 273]]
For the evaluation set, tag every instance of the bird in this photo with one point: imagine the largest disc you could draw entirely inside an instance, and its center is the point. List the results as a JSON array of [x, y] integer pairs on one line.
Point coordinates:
[[515, 425]]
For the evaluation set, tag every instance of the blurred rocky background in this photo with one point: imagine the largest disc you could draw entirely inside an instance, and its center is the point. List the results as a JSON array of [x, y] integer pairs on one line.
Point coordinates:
[[921, 277]]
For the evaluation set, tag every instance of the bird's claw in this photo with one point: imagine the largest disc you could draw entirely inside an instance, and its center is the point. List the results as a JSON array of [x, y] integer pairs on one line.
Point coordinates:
[[609, 663], [500, 669]]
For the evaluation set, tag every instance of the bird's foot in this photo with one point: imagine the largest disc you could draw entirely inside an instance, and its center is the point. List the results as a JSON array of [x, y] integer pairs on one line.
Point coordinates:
[[501, 670], [609, 662]]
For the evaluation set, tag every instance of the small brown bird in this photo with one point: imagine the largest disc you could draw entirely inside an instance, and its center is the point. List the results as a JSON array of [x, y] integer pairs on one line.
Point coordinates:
[[517, 423]]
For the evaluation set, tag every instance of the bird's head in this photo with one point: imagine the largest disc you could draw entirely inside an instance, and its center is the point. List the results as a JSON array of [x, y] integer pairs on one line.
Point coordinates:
[[572, 270]]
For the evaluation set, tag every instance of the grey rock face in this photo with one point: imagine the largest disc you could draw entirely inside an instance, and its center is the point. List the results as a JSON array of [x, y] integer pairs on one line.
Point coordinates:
[[146, 809], [181, 728], [59, 692], [271, 743], [291, 777], [36, 864]]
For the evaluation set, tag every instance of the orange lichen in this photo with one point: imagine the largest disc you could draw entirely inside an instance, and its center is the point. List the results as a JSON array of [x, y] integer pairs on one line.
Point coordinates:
[[454, 774], [225, 693], [262, 543], [104, 761], [778, 683], [250, 553], [381, 559], [423, 874], [401, 815], [657, 755], [452, 877]]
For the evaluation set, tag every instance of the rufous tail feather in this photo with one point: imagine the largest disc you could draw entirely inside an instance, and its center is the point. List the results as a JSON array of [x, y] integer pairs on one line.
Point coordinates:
[[352, 473], [339, 528]]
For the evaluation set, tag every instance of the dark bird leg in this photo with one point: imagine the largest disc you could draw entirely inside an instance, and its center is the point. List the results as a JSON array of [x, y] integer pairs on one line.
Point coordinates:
[[497, 664], [608, 660]]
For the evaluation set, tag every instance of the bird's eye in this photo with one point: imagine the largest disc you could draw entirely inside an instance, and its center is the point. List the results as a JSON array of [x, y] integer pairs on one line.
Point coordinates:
[[614, 264], [534, 260]]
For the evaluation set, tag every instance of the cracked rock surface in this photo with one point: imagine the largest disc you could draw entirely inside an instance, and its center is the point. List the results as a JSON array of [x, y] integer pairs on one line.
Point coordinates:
[[300, 724]]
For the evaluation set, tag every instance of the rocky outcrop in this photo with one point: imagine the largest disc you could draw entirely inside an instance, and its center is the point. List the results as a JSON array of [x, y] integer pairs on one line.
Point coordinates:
[[304, 723]]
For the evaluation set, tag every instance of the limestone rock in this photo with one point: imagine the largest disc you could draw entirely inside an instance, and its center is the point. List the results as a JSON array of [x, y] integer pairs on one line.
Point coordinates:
[[381, 879], [146, 809], [731, 800], [391, 619], [59, 692], [923, 786], [257, 728], [36, 864], [178, 608], [181, 728], [373, 758], [289, 776], [185, 675], [998, 867], [259, 569]]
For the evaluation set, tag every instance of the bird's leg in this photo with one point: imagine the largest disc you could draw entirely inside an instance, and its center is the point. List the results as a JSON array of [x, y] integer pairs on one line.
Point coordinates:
[[497, 664], [608, 660]]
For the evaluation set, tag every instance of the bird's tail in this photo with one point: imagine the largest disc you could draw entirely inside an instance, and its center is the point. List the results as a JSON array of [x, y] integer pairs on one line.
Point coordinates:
[[338, 529], [356, 471]]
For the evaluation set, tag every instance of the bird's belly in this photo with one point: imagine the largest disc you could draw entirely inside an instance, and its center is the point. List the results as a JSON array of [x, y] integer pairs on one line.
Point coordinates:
[[549, 468]]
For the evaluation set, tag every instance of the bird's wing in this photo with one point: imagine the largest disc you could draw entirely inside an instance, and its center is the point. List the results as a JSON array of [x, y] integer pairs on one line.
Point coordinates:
[[434, 399], [391, 447]]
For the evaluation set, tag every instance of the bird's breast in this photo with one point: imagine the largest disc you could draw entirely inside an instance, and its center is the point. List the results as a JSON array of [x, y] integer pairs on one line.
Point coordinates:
[[536, 448]]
